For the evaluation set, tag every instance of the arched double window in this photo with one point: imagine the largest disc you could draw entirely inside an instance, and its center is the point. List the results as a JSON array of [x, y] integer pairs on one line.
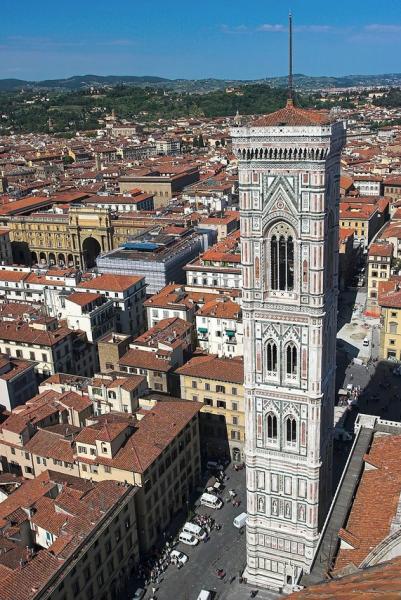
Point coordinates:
[[290, 431], [271, 423], [282, 258], [271, 357], [291, 360]]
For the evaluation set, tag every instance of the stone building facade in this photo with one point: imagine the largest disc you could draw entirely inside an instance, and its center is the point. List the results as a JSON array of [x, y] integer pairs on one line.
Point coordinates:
[[289, 171]]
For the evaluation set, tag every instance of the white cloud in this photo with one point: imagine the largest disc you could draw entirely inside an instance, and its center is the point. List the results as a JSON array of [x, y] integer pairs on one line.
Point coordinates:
[[277, 27], [383, 28]]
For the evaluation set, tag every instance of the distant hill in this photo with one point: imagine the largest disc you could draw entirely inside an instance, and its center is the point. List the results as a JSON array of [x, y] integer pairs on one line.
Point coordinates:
[[78, 82], [301, 82], [306, 82]]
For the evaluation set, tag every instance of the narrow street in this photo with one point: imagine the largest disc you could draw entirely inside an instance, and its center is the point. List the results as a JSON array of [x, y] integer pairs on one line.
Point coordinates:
[[225, 550]]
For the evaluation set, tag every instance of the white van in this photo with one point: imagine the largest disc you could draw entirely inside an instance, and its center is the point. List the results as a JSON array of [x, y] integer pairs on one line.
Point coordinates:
[[240, 521], [204, 595], [188, 538], [211, 501], [366, 341], [195, 530]]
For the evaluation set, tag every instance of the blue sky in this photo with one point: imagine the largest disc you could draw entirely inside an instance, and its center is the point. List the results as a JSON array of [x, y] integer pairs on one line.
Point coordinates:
[[235, 39]]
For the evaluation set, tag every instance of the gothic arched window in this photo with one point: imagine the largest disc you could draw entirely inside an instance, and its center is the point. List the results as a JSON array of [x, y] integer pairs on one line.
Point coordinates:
[[271, 428], [271, 356], [291, 431], [291, 359], [282, 258]]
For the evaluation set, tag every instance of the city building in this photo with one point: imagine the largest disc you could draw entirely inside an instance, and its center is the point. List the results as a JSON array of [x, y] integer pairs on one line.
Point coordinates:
[[129, 202], [159, 257], [172, 301], [115, 393], [368, 185], [218, 267], [6, 254], [224, 226], [49, 346], [72, 539], [162, 183], [366, 216], [389, 300], [158, 352], [217, 383], [379, 269], [17, 381], [392, 187], [219, 327], [89, 312], [168, 147], [157, 451], [128, 293], [289, 176]]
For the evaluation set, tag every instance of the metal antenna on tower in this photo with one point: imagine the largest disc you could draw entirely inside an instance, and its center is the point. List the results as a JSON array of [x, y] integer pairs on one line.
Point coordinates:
[[290, 88]]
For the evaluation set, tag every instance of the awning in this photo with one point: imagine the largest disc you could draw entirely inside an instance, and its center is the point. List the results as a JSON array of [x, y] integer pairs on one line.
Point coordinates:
[[202, 329], [230, 333]]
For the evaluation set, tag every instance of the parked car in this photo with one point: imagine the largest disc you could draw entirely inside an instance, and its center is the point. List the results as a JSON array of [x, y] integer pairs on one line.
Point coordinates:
[[178, 558], [188, 538], [240, 521], [195, 530], [139, 593], [211, 501]]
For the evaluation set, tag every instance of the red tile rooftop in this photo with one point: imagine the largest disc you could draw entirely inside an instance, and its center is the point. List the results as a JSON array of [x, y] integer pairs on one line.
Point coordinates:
[[291, 115], [375, 503], [382, 581], [83, 298], [209, 366], [383, 249], [110, 282]]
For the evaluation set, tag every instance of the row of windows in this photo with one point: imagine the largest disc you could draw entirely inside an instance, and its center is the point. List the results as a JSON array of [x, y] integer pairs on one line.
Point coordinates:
[[290, 430], [220, 389], [290, 356]]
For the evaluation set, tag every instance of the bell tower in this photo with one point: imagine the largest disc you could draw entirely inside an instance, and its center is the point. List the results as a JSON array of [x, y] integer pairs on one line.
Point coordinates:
[[289, 171]]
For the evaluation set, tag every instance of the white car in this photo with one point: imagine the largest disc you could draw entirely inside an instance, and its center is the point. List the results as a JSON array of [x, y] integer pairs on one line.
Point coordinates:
[[188, 538], [178, 557]]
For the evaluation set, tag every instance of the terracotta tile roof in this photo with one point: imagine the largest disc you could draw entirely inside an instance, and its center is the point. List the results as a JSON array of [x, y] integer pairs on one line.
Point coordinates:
[[293, 116], [144, 360], [375, 503], [390, 292], [25, 584], [392, 230], [221, 308], [46, 518], [211, 366], [50, 445], [14, 276], [381, 249], [109, 282], [345, 233], [22, 332], [168, 331], [172, 295], [111, 431], [83, 298], [25, 495], [381, 581], [74, 401], [154, 432]]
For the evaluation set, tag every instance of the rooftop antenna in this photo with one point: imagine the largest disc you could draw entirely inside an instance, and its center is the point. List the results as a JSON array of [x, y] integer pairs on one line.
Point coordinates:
[[290, 101]]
